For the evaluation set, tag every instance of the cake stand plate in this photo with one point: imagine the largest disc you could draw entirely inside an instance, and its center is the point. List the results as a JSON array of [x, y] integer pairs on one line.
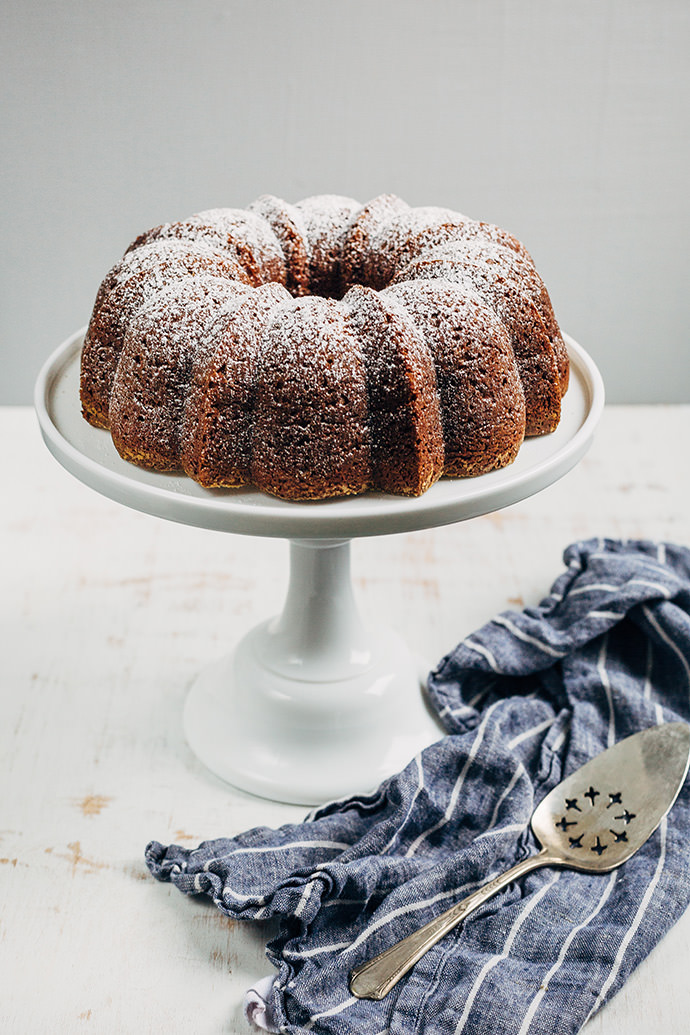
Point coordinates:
[[314, 704]]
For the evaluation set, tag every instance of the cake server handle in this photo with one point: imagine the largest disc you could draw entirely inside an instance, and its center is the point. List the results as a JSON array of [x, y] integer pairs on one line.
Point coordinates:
[[375, 978]]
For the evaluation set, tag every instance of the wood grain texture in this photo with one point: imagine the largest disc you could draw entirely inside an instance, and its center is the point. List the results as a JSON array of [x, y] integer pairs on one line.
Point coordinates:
[[108, 614]]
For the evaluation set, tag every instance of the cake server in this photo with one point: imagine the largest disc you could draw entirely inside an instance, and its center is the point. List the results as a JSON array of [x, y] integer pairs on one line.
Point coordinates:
[[593, 821]]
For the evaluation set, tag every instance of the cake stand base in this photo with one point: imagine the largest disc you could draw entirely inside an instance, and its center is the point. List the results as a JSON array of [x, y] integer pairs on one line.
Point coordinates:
[[313, 705]]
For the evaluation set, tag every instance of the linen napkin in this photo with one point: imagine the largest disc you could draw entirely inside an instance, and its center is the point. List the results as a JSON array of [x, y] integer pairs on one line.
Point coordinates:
[[525, 700]]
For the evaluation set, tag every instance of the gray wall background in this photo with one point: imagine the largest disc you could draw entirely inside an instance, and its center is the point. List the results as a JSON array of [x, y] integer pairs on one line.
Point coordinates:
[[565, 122]]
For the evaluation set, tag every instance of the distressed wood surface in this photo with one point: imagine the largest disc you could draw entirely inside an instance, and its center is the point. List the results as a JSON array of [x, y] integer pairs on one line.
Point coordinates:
[[108, 614]]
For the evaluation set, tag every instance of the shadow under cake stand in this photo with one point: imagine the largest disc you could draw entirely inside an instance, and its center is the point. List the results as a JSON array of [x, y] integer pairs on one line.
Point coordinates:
[[315, 704]]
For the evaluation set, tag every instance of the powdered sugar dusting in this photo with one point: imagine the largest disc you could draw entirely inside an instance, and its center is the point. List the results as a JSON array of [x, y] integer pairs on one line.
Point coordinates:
[[244, 235], [364, 241], [312, 439], [256, 244], [155, 366], [482, 400], [209, 362], [405, 422], [155, 253], [163, 264], [216, 430], [287, 223], [326, 219], [383, 231]]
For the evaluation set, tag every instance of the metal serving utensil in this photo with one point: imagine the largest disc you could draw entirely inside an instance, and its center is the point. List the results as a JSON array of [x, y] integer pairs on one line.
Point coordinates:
[[594, 820]]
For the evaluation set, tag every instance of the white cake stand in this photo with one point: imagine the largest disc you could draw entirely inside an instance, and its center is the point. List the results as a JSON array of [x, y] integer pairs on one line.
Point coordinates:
[[314, 704]]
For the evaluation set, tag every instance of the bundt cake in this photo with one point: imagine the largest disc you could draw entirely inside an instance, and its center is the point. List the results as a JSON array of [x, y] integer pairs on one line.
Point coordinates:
[[323, 348]]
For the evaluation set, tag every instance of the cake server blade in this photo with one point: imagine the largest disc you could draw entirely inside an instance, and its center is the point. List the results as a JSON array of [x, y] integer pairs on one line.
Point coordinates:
[[593, 821]]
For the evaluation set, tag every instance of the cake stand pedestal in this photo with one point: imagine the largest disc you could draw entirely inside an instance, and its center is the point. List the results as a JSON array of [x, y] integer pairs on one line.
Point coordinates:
[[315, 704]]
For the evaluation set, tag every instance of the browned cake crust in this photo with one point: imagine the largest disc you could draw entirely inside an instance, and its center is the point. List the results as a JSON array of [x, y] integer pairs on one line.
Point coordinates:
[[482, 402], [377, 238], [324, 348], [534, 355], [244, 235], [218, 419], [365, 252], [288, 225], [313, 437], [131, 285], [326, 221], [405, 424], [513, 255], [153, 374]]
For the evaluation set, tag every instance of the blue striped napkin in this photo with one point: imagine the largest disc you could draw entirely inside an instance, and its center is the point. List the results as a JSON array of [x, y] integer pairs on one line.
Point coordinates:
[[525, 700]]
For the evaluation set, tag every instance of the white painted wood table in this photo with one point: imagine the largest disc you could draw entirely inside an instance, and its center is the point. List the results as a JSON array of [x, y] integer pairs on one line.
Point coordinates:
[[107, 617]]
